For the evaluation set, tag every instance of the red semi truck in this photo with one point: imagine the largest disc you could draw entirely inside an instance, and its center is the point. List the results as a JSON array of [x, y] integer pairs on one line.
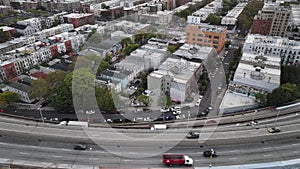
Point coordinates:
[[176, 159]]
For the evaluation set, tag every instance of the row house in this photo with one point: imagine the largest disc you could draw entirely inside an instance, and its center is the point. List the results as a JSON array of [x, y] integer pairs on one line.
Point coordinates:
[[287, 50], [25, 58], [8, 30], [79, 19], [5, 9], [22, 88], [63, 5], [29, 26], [44, 34]]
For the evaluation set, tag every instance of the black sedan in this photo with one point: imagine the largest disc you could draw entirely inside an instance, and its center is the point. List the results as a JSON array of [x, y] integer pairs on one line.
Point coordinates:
[[80, 147], [210, 153]]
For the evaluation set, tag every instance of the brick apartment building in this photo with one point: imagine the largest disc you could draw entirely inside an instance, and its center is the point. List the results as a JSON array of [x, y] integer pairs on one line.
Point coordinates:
[[79, 19], [206, 35]]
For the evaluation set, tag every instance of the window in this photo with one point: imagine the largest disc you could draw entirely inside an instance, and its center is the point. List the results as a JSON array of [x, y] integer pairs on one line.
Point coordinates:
[[216, 37], [200, 40], [200, 35]]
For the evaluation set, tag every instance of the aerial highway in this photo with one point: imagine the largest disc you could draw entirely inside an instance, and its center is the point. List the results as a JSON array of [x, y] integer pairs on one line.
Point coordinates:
[[235, 142]]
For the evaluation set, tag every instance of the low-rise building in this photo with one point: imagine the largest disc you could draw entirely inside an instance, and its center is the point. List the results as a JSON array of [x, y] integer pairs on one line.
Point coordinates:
[[195, 52], [201, 14], [287, 50], [79, 19], [255, 74], [22, 87], [176, 77], [206, 35], [232, 15]]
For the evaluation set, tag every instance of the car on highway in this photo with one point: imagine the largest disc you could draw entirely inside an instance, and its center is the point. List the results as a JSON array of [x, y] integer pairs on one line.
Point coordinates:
[[180, 116], [80, 147], [210, 153], [177, 112], [192, 135], [252, 123], [274, 130]]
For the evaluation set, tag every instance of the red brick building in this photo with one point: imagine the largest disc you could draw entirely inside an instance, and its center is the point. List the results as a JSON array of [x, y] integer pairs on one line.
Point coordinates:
[[79, 19], [8, 71], [260, 26]]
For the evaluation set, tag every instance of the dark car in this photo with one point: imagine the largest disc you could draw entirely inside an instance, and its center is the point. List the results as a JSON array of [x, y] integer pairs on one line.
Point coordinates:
[[210, 153], [274, 130], [204, 113], [192, 135], [80, 147]]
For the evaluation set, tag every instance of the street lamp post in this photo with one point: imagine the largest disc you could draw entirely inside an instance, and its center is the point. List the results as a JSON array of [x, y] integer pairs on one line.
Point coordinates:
[[254, 115], [189, 114], [41, 114]]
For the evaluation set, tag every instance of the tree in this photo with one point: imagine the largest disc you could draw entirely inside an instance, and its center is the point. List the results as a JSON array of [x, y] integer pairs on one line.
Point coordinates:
[[283, 94], [94, 30], [227, 43], [146, 100], [3, 36], [40, 89], [172, 48], [130, 48], [56, 78], [103, 66], [77, 86], [106, 99], [126, 41], [213, 19], [246, 17], [9, 97], [290, 74]]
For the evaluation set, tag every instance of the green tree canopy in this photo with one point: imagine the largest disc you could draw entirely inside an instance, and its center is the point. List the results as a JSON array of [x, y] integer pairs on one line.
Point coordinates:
[[283, 94], [213, 19], [146, 100], [9, 97], [3, 36], [40, 89]]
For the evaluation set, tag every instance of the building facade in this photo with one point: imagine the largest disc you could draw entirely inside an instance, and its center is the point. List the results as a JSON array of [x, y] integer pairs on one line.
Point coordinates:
[[206, 35], [272, 20], [287, 50]]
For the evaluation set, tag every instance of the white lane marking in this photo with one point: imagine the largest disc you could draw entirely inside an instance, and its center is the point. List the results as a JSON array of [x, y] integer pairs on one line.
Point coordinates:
[[267, 155], [233, 158], [57, 156], [267, 148], [295, 144], [23, 153], [127, 160], [233, 151], [94, 159], [296, 152]]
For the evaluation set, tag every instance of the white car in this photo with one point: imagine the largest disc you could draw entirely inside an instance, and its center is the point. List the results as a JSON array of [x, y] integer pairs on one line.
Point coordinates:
[[176, 109], [177, 112], [164, 110], [181, 116], [200, 97]]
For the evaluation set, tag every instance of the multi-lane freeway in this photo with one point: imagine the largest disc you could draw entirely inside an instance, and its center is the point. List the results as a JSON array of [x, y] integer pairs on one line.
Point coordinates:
[[235, 143]]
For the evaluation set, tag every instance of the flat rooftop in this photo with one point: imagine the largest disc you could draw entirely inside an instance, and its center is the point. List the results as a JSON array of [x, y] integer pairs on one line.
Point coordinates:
[[232, 99]]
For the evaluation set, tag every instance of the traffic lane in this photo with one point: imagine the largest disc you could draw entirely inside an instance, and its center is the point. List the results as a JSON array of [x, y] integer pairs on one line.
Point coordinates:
[[226, 157], [36, 114]]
